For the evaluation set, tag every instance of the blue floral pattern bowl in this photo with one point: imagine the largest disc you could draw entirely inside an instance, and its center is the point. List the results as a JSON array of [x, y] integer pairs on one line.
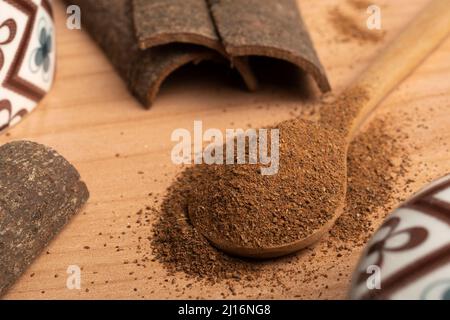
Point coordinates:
[[27, 57]]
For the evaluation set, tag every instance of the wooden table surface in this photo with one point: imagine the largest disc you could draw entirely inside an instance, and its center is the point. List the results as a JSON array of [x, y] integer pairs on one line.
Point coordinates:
[[89, 117]]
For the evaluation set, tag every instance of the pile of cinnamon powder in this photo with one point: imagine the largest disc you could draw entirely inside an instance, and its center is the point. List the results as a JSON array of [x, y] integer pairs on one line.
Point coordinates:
[[374, 171]]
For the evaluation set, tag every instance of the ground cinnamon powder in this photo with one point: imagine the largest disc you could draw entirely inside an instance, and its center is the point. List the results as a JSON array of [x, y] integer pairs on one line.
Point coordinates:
[[374, 171], [377, 162], [181, 247], [349, 29], [239, 205], [341, 112], [236, 204], [360, 4]]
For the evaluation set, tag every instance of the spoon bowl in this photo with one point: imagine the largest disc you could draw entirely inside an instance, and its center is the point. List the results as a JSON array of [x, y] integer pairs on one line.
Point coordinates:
[[248, 214]]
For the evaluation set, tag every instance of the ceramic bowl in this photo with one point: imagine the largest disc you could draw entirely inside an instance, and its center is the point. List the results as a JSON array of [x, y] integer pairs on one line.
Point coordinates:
[[409, 256], [27, 57]]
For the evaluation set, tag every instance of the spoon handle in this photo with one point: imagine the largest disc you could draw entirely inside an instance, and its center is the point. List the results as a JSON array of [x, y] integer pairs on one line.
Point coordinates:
[[423, 34]]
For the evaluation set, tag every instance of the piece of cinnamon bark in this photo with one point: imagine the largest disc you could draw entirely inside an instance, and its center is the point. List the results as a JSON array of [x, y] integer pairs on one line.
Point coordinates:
[[39, 192], [110, 23], [161, 22], [268, 28]]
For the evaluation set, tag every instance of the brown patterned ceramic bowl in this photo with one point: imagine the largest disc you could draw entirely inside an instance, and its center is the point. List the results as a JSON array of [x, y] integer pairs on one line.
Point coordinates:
[[27, 57], [409, 256]]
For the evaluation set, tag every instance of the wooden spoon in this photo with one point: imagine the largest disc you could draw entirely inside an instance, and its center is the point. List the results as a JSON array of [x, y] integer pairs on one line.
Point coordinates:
[[345, 116]]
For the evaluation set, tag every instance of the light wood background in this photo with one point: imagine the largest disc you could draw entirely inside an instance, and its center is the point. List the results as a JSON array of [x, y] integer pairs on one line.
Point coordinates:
[[89, 117]]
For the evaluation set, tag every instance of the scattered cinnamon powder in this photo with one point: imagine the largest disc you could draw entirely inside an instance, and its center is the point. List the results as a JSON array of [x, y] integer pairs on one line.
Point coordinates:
[[359, 4], [352, 30], [376, 164], [374, 170], [340, 113]]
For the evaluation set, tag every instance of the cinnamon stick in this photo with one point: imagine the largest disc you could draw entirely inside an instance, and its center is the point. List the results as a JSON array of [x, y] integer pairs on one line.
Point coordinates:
[[273, 29], [161, 22], [111, 25]]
